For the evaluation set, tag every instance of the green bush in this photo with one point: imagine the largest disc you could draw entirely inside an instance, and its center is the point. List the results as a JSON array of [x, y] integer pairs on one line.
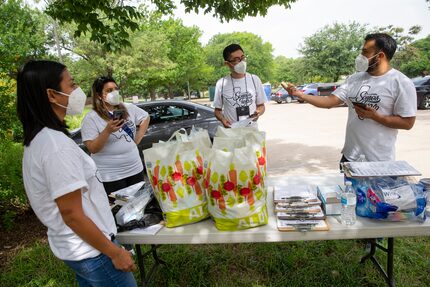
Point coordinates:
[[13, 199], [74, 122]]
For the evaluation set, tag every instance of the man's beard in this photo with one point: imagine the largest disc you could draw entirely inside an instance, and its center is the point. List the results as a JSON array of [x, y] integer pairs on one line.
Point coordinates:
[[373, 65]]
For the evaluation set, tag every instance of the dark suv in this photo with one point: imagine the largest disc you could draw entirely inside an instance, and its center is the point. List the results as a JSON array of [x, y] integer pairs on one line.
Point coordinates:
[[422, 85]]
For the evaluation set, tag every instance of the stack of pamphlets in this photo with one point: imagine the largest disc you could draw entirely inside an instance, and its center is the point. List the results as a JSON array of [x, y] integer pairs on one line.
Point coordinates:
[[297, 208]]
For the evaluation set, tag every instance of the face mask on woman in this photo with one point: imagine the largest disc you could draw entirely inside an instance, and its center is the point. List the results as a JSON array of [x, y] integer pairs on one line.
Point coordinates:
[[113, 98], [76, 103]]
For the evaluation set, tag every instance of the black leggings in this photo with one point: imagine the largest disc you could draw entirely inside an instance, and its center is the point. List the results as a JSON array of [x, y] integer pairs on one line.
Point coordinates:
[[112, 186]]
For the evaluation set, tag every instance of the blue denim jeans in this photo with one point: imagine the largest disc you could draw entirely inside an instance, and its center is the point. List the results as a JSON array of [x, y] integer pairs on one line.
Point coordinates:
[[100, 272]]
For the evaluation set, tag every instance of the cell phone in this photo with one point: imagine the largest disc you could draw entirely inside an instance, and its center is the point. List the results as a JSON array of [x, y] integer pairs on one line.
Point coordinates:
[[361, 105], [118, 114]]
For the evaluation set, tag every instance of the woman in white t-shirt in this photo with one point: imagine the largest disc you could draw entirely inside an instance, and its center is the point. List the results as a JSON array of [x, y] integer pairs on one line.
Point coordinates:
[[110, 133], [60, 179]]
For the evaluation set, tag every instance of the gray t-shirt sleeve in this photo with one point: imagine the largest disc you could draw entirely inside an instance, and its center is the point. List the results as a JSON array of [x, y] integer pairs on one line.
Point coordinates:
[[218, 96], [89, 129], [260, 94], [138, 115], [406, 103]]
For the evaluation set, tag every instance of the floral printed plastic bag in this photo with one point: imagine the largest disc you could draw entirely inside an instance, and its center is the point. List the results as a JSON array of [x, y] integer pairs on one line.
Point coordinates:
[[234, 186], [247, 136], [175, 170]]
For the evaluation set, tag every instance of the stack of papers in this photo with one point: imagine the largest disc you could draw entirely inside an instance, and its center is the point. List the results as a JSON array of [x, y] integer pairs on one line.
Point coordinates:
[[379, 168], [297, 208]]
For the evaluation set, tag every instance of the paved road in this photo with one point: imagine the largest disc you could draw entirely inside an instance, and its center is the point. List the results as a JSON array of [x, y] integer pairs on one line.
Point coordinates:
[[303, 139]]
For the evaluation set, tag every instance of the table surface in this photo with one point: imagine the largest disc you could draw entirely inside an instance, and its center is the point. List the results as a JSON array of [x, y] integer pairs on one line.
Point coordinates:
[[205, 232]]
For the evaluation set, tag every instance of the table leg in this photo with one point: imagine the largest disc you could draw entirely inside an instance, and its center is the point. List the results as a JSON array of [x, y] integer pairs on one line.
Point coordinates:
[[389, 275], [141, 265], [147, 278]]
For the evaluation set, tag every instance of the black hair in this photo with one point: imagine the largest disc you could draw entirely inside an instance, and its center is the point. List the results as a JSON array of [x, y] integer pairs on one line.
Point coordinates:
[[230, 49], [33, 106], [97, 93], [383, 42]]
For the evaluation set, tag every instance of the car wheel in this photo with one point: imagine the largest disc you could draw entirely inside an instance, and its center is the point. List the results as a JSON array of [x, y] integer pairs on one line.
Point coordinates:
[[425, 102], [301, 101], [288, 100], [279, 101]]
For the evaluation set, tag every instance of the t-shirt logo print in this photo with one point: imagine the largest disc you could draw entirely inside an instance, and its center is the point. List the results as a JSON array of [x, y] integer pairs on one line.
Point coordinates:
[[363, 96], [240, 99]]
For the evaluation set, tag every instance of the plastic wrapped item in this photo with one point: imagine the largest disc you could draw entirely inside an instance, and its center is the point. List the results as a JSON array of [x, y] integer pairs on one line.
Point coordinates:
[[134, 209], [390, 199]]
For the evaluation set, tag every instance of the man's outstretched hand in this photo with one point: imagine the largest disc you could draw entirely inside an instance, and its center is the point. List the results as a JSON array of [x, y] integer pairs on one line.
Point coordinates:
[[292, 90]]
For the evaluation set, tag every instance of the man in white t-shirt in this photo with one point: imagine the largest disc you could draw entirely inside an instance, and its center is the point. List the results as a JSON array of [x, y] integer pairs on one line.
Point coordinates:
[[380, 100], [239, 96]]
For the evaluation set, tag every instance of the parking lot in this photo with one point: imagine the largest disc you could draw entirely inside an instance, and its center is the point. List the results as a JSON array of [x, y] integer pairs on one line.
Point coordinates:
[[303, 139]]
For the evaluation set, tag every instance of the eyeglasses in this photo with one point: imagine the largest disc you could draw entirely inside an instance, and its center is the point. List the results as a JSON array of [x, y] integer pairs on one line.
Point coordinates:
[[237, 59]]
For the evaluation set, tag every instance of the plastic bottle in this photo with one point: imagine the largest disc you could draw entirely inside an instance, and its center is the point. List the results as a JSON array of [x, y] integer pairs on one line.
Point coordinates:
[[349, 201]]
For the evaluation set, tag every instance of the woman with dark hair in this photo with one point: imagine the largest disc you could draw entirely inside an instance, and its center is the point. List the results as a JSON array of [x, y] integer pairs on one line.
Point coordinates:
[[60, 181], [110, 133]]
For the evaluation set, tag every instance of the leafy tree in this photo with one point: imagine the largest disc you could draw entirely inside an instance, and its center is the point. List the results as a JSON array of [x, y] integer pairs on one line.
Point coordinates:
[[284, 69], [22, 36], [414, 59], [331, 51], [259, 54], [187, 53], [110, 22], [398, 33]]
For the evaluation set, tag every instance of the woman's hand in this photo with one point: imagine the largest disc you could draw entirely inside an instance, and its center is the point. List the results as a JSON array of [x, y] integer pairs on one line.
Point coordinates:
[[123, 261], [114, 125]]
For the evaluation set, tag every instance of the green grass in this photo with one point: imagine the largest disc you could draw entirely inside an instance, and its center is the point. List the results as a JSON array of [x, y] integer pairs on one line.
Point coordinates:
[[316, 263]]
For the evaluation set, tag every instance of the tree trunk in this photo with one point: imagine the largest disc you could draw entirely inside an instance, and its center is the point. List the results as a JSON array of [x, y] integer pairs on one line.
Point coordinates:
[[152, 94], [170, 89]]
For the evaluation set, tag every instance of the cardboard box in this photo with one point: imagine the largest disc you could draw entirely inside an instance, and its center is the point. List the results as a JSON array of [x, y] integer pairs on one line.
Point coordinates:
[[330, 198]]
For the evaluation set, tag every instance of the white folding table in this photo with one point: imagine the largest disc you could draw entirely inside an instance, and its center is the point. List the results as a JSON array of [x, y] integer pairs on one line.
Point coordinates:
[[205, 232]]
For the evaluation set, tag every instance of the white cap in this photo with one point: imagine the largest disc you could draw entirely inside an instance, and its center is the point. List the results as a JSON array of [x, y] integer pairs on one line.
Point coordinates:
[[348, 183]]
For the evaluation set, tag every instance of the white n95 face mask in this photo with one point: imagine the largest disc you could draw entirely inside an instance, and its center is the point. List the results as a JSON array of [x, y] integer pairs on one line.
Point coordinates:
[[113, 98], [76, 103], [240, 67], [362, 63]]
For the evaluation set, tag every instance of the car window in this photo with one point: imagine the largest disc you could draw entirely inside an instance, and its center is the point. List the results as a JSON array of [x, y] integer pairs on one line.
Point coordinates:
[[167, 113], [312, 86], [420, 81]]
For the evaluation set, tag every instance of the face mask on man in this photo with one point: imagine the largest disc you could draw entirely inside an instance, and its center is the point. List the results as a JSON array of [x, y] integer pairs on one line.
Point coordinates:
[[240, 67], [113, 98], [76, 103], [362, 63]]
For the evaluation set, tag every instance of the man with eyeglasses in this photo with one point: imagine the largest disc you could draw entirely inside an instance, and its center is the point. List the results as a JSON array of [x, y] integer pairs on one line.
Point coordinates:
[[381, 101], [239, 97]]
